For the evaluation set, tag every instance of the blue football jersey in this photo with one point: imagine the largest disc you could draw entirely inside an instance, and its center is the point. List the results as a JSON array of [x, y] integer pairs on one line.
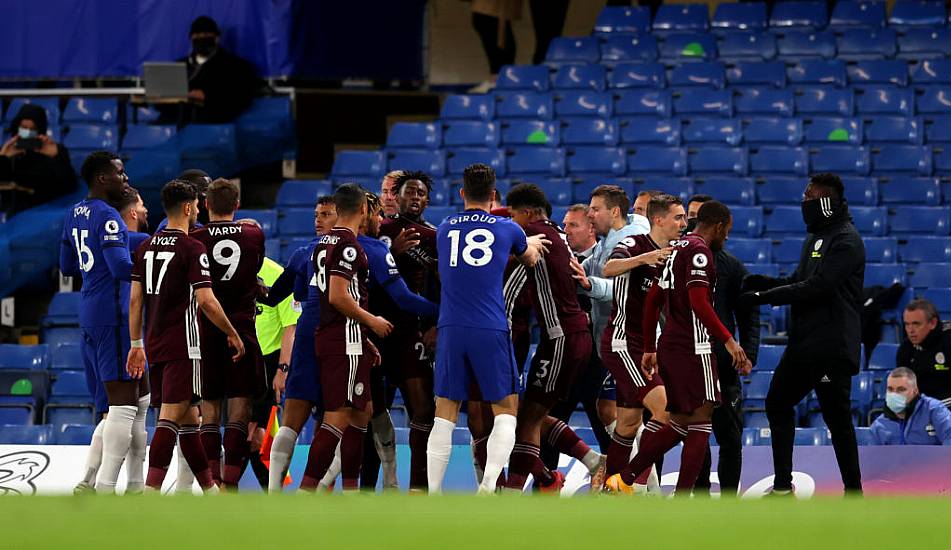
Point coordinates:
[[300, 263], [91, 227], [382, 264], [474, 248]]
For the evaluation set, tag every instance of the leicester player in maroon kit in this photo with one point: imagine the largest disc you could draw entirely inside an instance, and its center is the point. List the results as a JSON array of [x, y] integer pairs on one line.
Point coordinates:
[[236, 251], [684, 354], [344, 354], [171, 278], [635, 264]]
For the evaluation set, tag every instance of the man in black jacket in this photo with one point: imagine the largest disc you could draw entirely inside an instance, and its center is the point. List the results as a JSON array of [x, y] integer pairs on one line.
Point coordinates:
[[728, 417], [824, 344], [927, 350]]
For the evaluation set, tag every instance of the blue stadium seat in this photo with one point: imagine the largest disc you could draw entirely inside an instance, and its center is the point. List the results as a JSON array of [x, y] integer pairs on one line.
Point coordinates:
[[930, 275], [212, 147], [707, 74], [589, 131], [847, 13], [811, 437], [688, 47], [468, 107], [637, 75], [642, 102], [582, 187], [750, 251], [883, 357], [781, 191], [870, 220], [358, 163], [704, 102], [145, 114], [907, 159], [657, 160], [751, 436], [302, 193], [92, 136], [419, 135], [894, 129], [623, 19], [63, 310], [924, 43], [862, 391], [881, 71], [787, 250], [49, 104], [926, 249], [747, 220], [439, 194], [740, 17], [530, 132], [725, 131], [779, 160], [272, 250], [797, 45], [911, 190], [67, 356], [642, 130], [942, 165], [25, 435], [764, 101], [772, 73], [641, 48], [526, 78], [74, 434], [431, 162], [681, 17], [290, 244], [678, 187], [884, 274], [295, 221], [458, 159], [819, 129], [770, 270], [579, 103], [718, 160], [746, 46], [730, 190], [927, 13], [69, 384], [469, 133], [95, 110], [56, 335], [57, 415], [772, 131], [559, 193], [824, 100], [885, 100], [938, 128], [784, 219], [799, 14], [580, 77], [861, 191], [563, 49], [831, 72], [932, 72], [842, 159], [769, 356], [524, 105], [755, 390], [921, 219], [16, 414], [863, 435], [436, 214], [152, 168], [536, 160], [146, 136], [267, 219], [860, 44], [941, 298], [756, 420], [14, 356]]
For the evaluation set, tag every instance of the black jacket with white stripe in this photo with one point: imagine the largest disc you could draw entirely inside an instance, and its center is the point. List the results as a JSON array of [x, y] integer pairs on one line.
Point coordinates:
[[931, 362]]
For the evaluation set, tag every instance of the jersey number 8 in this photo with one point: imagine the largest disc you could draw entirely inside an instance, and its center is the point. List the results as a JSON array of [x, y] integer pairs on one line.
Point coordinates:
[[320, 274], [476, 240]]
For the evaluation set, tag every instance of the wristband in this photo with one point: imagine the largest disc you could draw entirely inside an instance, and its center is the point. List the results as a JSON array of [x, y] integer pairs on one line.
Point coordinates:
[[137, 343], [284, 367]]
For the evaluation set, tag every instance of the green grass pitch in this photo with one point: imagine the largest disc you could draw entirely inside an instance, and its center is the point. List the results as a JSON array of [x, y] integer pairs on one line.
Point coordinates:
[[464, 521]]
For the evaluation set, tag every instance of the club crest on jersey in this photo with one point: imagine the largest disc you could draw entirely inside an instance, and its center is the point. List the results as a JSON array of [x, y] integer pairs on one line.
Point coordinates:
[[387, 241], [390, 261], [350, 253], [112, 226], [628, 242], [700, 261], [358, 389], [815, 249], [203, 260], [939, 361]]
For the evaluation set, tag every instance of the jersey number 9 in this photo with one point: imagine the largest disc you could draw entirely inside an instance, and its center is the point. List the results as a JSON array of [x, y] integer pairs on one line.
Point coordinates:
[[230, 261]]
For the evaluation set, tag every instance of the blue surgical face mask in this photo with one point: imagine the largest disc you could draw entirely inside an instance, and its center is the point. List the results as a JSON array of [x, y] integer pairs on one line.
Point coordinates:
[[895, 402], [26, 133]]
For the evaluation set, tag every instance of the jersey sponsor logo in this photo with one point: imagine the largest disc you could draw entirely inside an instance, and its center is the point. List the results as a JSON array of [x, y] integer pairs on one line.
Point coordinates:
[[700, 261], [350, 253], [203, 260], [628, 242], [112, 226], [18, 471], [390, 261], [698, 272]]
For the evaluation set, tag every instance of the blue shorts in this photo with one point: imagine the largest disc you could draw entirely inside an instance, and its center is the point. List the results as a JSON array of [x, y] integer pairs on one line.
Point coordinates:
[[303, 380], [105, 351], [474, 363], [608, 389]]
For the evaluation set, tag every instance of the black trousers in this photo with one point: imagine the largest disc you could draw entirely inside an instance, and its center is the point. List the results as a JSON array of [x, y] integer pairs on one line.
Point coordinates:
[[728, 430], [487, 27], [548, 20], [792, 381]]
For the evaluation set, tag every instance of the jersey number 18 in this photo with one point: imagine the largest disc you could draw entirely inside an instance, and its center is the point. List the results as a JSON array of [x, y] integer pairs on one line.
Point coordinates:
[[478, 240]]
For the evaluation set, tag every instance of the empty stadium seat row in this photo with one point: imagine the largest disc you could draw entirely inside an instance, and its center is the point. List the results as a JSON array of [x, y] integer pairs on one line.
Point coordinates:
[[912, 249]]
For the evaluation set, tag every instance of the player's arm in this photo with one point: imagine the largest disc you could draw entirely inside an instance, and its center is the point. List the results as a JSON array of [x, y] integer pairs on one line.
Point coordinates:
[[135, 363], [210, 306], [840, 262], [703, 309], [747, 316], [622, 264], [119, 261], [651, 316], [340, 298], [281, 289], [409, 301], [536, 247], [68, 261]]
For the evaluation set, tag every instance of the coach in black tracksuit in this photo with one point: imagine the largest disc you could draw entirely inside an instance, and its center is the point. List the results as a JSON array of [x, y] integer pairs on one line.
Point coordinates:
[[825, 330]]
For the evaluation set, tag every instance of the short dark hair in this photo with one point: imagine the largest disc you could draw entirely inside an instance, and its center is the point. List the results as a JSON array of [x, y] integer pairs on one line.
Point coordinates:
[[931, 312], [712, 213], [526, 195], [199, 178], [700, 197], [348, 198], [406, 176], [324, 200], [177, 192], [660, 205], [829, 181], [613, 196], [96, 164], [130, 197], [478, 182], [223, 196]]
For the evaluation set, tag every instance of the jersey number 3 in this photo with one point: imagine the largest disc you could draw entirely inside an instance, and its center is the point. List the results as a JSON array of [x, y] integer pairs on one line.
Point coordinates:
[[477, 240]]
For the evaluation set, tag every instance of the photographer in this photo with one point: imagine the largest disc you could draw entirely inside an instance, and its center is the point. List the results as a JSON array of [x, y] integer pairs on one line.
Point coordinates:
[[33, 161]]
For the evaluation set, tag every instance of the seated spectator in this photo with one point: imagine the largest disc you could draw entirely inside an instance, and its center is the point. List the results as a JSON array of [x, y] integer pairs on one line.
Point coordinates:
[[221, 83], [927, 349], [32, 160], [911, 417]]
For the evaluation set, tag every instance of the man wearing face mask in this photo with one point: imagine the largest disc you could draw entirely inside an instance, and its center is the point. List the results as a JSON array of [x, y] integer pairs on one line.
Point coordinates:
[[220, 83], [31, 159], [911, 417], [822, 353]]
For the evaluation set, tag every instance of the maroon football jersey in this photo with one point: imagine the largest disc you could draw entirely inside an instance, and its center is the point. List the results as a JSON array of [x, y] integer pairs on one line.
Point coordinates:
[[552, 287], [630, 290], [417, 266], [690, 264], [171, 266], [518, 302], [236, 251], [339, 254]]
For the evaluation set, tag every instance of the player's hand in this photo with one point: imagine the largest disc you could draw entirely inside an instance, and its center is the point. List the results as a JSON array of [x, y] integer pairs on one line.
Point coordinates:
[[380, 326], [49, 147], [756, 282], [539, 243], [739, 356], [376, 358], [279, 383], [579, 274], [235, 343], [408, 238], [262, 289], [649, 365], [656, 257], [135, 363], [429, 339], [10, 148], [749, 300], [745, 368]]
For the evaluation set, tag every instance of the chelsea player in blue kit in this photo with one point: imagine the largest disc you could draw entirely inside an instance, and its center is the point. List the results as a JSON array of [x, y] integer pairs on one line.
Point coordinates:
[[474, 348], [95, 246]]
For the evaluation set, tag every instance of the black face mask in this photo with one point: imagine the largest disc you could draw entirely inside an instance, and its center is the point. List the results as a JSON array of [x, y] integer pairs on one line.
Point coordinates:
[[816, 212], [691, 225], [204, 46]]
